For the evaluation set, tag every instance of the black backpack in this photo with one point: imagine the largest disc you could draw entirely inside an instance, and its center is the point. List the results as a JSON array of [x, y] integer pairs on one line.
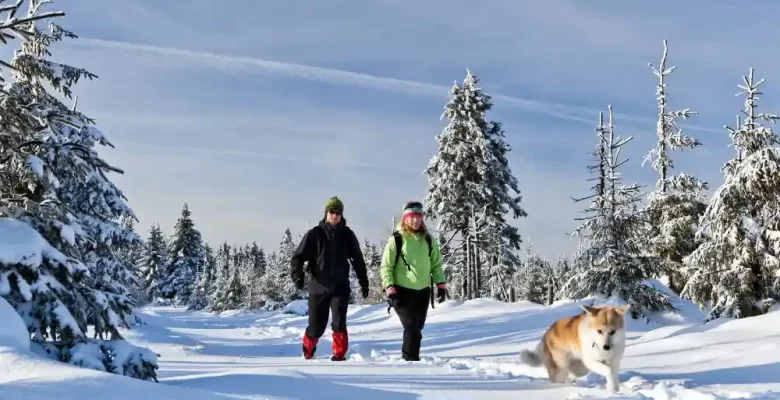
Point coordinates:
[[399, 254]]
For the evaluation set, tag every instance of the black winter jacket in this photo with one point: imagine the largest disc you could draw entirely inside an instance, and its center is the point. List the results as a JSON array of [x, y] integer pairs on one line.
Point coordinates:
[[329, 250]]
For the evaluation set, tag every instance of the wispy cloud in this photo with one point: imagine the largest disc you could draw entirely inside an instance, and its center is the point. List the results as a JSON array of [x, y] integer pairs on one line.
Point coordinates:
[[574, 113], [322, 162]]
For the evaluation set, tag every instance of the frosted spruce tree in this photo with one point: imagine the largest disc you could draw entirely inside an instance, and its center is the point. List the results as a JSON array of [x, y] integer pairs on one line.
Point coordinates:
[[532, 274], [557, 278], [610, 260], [277, 278], [151, 266], [234, 295], [735, 269], [373, 258], [201, 298], [54, 181], [469, 175], [502, 274], [678, 202], [222, 268], [106, 241], [259, 263], [132, 251], [186, 258], [260, 266]]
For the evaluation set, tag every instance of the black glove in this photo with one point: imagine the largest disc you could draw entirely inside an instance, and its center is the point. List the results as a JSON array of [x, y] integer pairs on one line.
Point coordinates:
[[365, 292], [299, 284], [441, 294]]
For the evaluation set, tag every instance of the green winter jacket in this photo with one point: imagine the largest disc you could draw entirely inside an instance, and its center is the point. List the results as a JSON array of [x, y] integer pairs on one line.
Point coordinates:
[[418, 275]]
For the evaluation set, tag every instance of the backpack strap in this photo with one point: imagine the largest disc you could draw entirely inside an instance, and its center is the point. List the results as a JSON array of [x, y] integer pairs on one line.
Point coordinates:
[[399, 243]]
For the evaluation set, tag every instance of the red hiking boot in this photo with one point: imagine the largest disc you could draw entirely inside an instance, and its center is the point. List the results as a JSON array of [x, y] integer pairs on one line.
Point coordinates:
[[309, 346], [340, 346]]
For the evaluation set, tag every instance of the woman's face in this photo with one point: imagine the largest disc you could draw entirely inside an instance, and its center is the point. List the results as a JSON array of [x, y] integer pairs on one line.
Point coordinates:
[[415, 221]]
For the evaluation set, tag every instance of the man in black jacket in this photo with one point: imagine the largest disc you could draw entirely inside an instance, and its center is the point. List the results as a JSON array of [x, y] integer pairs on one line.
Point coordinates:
[[328, 248]]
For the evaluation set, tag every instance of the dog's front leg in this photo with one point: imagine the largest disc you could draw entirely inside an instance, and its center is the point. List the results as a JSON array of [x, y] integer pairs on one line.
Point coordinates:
[[614, 367], [606, 371]]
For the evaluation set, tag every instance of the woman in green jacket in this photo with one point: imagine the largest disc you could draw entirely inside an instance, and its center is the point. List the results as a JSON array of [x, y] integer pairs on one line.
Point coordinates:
[[406, 276]]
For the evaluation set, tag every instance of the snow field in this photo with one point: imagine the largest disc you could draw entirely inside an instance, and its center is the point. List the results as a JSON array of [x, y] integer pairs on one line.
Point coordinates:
[[469, 352]]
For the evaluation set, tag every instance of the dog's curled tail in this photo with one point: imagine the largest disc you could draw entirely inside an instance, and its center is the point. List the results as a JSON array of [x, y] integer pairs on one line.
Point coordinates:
[[532, 357]]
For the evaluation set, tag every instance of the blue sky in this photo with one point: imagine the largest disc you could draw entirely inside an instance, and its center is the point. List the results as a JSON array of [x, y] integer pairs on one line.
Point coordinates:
[[255, 112]]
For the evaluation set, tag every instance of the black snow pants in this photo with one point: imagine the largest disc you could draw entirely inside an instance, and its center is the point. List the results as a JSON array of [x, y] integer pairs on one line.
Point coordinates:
[[412, 309], [320, 305]]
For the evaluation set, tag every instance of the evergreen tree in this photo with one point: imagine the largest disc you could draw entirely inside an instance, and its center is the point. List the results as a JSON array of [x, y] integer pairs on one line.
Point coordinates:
[[277, 282], [152, 262], [273, 279], [222, 271], [234, 296], [532, 272], [556, 279], [54, 180], [735, 269], [502, 274], [258, 260], [470, 173], [186, 257], [373, 258], [257, 266], [610, 261], [677, 204], [200, 299], [131, 252]]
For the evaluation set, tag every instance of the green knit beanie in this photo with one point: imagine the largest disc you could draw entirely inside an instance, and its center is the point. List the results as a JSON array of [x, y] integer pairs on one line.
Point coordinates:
[[334, 203]]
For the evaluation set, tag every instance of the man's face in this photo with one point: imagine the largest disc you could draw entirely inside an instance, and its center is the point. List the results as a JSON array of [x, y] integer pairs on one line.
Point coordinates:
[[334, 216]]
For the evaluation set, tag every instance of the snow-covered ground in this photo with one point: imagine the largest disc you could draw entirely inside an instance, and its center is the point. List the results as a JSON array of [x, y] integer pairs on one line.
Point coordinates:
[[469, 352]]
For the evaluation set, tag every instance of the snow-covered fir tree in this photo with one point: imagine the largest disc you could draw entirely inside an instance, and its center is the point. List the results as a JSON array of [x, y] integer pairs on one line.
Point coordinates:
[[610, 261], [251, 274], [222, 268], [186, 258], [556, 279], [676, 206], [502, 273], [274, 275], [373, 258], [532, 275], [735, 270], [469, 174], [234, 295], [201, 298], [131, 252], [152, 263], [277, 278], [54, 181]]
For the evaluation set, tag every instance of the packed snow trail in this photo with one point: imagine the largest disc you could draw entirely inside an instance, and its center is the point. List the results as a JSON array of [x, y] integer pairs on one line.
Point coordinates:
[[469, 352]]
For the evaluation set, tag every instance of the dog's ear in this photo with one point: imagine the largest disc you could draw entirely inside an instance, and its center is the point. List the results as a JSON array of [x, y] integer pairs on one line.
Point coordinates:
[[622, 310], [590, 310]]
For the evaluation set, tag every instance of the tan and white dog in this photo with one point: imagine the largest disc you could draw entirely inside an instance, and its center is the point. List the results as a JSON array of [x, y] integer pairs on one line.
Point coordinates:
[[593, 341]]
